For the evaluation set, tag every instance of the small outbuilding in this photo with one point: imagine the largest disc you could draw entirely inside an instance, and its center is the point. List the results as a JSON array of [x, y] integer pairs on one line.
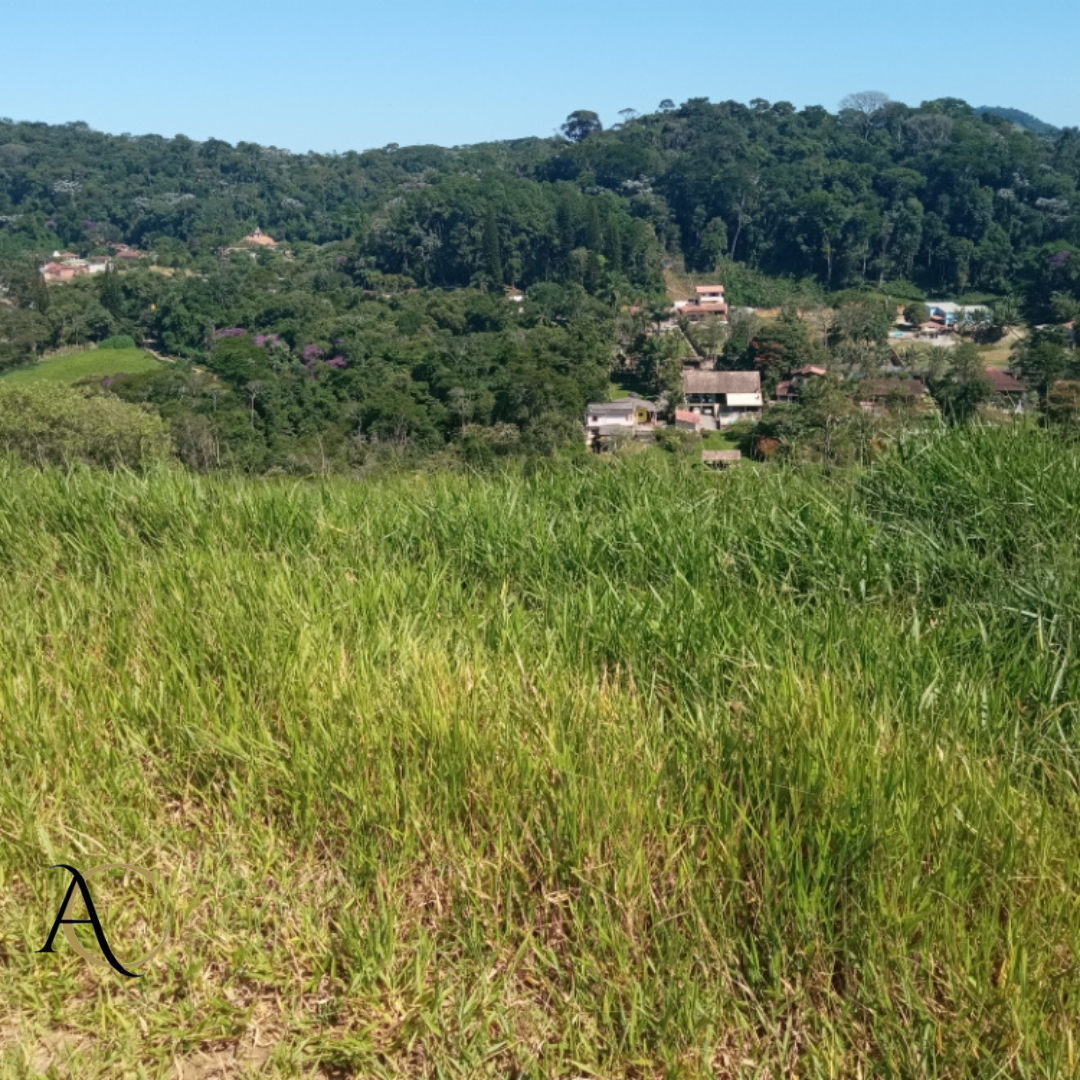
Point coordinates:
[[721, 459]]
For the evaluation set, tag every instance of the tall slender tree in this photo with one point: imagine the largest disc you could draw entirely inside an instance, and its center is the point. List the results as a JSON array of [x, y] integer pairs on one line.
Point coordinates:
[[493, 264]]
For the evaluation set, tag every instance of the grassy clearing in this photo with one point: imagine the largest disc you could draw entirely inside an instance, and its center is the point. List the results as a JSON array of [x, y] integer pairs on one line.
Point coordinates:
[[627, 384], [718, 440], [98, 363], [627, 771], [999, 355]]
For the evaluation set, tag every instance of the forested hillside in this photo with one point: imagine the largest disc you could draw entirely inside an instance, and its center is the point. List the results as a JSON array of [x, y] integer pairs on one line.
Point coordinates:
[[380, 320], [939, 194]]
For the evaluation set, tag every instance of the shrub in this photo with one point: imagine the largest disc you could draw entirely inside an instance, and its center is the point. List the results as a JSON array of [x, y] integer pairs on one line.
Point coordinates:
[[120, 341], [1063, 405], [54, 425], [681, 443]]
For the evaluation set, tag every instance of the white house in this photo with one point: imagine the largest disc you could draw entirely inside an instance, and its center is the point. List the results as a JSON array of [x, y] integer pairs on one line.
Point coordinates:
[[67, 267], [954, 314], [607, 421], [709, 302], [710, 294]]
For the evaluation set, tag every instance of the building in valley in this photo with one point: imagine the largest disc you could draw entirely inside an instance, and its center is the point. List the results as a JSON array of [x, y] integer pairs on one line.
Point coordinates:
[[708, 303], [721, 398], [609, 422], [685, 420], [878, 395], [66, 267], [790, 390], [1008, 391]]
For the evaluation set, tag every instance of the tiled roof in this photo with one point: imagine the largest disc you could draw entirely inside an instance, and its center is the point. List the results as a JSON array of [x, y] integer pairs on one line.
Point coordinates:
[[1003, 382], [870, 389], [722, 382]]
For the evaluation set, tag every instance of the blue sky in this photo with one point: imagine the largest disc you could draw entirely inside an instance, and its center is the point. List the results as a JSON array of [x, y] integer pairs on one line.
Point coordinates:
[[353, 74]]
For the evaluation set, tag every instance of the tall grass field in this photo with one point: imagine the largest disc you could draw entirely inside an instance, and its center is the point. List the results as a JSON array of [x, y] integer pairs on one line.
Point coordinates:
[[621, 771]]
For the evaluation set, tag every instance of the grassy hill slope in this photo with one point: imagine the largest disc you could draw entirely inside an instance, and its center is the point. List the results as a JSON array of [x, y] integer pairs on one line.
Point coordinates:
[[98, 363], [619, 771]]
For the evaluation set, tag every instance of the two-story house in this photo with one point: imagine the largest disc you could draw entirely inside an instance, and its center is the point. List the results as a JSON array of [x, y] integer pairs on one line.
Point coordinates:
[[709, 302], [606, 422], [721, 398]]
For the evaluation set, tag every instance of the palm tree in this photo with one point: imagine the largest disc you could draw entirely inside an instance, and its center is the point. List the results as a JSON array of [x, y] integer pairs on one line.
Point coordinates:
[[1005, 314]]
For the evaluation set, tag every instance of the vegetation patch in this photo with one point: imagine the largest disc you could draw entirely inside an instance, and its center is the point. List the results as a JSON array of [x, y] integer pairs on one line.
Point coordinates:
[[70, 367], [628, 769]]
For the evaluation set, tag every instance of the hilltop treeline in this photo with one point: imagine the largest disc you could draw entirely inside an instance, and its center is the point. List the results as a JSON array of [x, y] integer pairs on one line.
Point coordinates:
[[940, 195]]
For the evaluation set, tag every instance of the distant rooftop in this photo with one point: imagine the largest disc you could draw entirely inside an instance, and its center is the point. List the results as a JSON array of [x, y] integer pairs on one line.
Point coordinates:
[[1003, 382], [722, 382], [876, 389], [260, 239]]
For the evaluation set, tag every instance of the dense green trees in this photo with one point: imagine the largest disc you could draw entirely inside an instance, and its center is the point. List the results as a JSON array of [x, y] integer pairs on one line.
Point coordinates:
[[935, 194], [57, 425], [781, 347], [288, 363], [1042, 358], [965, 385]]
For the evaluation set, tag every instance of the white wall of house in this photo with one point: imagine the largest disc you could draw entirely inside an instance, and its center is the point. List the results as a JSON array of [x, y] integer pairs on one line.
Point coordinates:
[[595, 421], [611, 421]]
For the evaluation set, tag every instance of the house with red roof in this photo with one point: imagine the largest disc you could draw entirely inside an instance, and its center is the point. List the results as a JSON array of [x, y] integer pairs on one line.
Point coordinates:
[[708, 302]]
